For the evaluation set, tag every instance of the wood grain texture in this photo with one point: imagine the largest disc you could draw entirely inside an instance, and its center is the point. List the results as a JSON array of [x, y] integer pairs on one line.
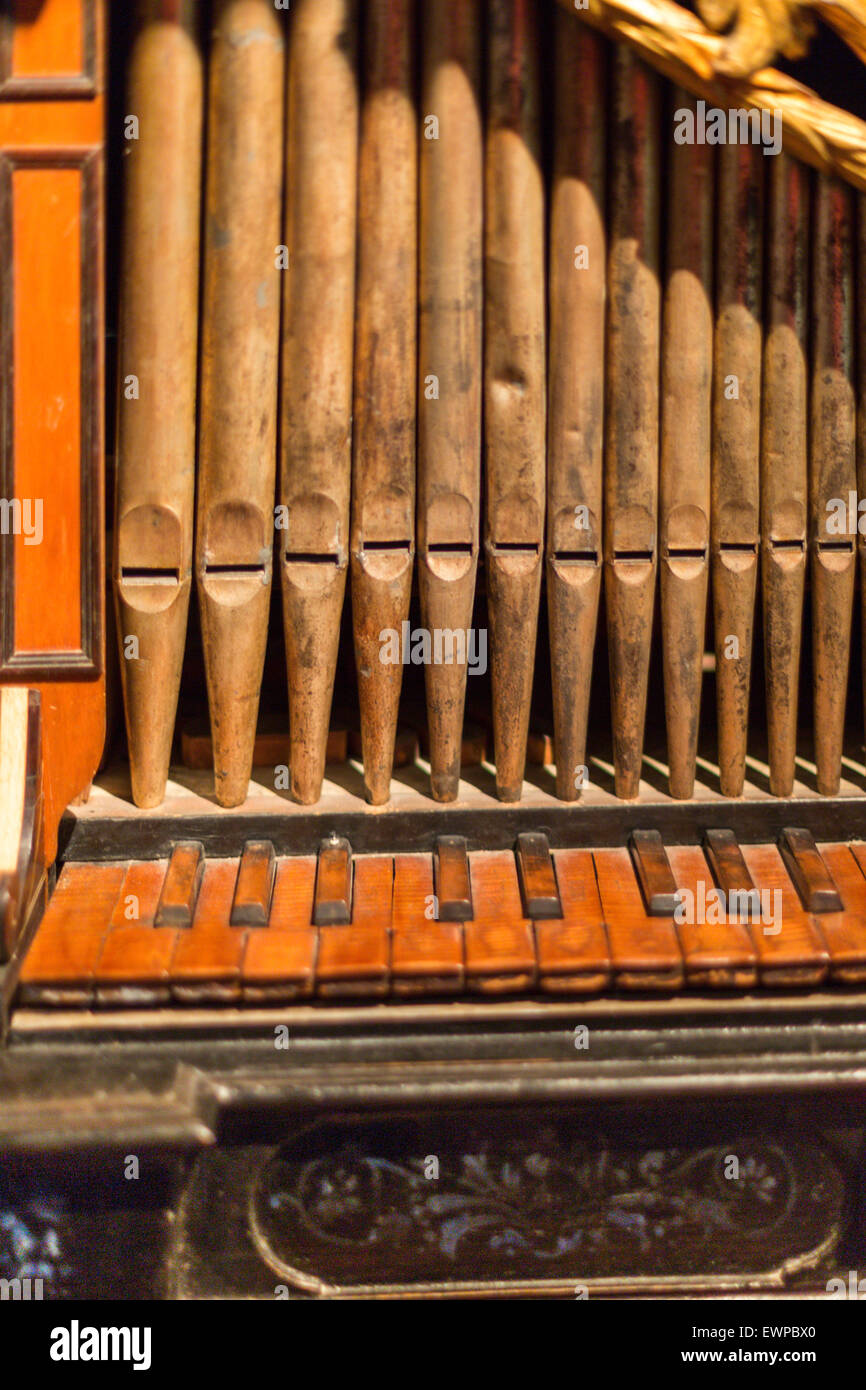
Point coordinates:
[[791, 949], [573, 953], [383, 491], [240, 332], [499, 941], [157, 346], [736, 449], [784, 452], [426, 952], [833, 530], [56, 137], [354, 959], [845, 931], [206, 964], [316, 373], [717, 949], [576, 371], [644, 951], [449, 362], [684, 477], [60, 964], [632, 408], [514, 374]]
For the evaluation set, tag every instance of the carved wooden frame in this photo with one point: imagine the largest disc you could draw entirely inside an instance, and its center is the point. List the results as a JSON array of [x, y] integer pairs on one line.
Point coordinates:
[[87, 662], [51, 87]]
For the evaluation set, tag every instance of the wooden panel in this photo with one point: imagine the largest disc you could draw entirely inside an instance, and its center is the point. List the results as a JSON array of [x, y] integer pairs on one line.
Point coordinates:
[[47, 49], [50, 137], [49, 471]]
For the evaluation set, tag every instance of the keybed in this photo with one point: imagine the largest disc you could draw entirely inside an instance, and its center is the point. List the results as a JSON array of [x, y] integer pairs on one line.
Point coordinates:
[[648, 918]]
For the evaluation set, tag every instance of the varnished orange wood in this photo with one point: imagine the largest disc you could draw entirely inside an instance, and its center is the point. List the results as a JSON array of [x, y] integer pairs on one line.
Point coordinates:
[[46, 292], [46, 231], [845, 931], [60, 964], [716, 953], [791, 949], [645, 951], [48, 38], [573, 953], [207, 959], [279, 960], [499, 943], [426, 954], [354, 958]]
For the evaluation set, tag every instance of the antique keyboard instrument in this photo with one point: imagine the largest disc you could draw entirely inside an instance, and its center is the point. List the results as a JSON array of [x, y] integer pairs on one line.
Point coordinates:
[[482, 700]]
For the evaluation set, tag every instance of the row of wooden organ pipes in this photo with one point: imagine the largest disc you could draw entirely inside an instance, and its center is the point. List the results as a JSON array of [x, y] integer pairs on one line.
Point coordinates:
[[660, 393], [262, 930]]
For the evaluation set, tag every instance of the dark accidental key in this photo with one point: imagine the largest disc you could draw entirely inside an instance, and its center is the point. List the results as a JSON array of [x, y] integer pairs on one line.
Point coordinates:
[[809, 873], [654, 873], [732, 873], [251, 904], [182, 882], [332, 904], [537, 878], [451, 879]]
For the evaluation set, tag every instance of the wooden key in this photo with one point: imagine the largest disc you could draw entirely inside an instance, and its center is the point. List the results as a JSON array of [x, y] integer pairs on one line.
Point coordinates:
[[59, 966], [499, 941], [133, 965], [845, 931], [426, 952], [293, 901], [791, 949], [645, 951], [206, 964], [812, 879], [353, 960], [451, 879], [716, 945], [653, 872], [181, 886], [573, 953], [333, 900], [731, 874], [536, 877], [255, 884], [279, 961]]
